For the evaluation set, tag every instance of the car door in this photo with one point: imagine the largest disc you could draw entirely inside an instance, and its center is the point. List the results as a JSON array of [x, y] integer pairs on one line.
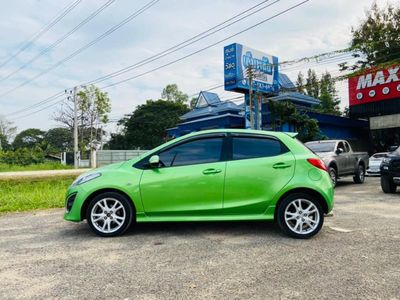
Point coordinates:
[[259, 167], [189, 180], [351, 159], [341, 158]]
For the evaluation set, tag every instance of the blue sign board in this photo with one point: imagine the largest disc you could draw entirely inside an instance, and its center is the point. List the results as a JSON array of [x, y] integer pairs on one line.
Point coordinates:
[[237, 59]]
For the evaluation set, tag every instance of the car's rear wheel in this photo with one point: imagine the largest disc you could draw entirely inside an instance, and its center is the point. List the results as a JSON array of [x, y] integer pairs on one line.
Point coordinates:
[[333, 175], [300, 215], [109, 214], [388, 185], [359, 177]]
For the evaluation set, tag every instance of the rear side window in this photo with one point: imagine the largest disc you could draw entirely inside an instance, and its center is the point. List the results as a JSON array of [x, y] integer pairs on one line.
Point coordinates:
[[252, 147]]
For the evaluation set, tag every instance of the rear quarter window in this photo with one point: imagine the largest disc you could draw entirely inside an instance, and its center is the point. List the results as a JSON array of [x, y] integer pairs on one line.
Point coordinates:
[[255, 147]]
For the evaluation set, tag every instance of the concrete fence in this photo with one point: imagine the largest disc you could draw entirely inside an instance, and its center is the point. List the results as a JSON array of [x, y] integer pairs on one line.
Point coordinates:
[[106, 157]]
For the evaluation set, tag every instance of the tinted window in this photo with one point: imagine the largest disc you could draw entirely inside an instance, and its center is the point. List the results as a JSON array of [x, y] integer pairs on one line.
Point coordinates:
[[194, 152], [347, 147], [321, 146], [341, 145], [250, 147]]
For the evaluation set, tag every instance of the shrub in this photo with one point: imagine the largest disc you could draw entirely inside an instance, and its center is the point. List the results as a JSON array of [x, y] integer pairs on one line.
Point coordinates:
[[22, 156]]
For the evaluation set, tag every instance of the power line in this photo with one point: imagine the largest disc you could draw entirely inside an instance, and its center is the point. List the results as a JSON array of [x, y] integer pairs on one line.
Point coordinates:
[[187, 42], [60, 40], [77, 52], [248, 28], [42, 31], [209, 46]]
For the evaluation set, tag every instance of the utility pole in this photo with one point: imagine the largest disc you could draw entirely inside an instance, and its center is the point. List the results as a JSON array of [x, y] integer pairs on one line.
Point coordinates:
[[250, 75], [76, 128]]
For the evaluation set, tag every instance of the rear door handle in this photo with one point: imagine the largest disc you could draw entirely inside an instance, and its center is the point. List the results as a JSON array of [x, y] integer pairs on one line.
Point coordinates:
[[281, 165], [211, 171]]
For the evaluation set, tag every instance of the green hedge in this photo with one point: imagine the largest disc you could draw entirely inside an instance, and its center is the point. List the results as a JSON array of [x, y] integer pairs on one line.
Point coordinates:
[[22, 156]]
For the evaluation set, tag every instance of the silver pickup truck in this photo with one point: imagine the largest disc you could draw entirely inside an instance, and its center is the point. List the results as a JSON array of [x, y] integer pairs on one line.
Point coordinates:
[[340, 159]]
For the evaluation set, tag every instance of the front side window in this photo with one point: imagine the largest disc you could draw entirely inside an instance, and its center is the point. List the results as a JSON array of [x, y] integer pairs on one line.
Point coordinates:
[[341, 145], [252, 147], [200, 151]]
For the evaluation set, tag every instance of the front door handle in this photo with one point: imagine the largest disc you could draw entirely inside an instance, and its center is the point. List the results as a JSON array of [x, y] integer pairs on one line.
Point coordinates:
[[211, 171], [281, 165]]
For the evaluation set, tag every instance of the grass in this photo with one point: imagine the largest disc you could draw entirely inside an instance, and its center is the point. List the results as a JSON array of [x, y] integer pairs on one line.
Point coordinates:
[[36, 167], [31, 194]]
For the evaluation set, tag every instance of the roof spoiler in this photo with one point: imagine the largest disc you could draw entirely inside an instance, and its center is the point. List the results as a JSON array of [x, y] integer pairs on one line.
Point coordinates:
[[292, 134]]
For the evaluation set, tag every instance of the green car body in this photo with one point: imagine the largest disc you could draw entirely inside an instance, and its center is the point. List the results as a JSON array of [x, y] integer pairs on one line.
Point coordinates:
[[227, 189]]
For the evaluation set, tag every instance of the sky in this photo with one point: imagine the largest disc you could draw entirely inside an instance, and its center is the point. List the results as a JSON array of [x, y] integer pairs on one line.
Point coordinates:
[[317, 26]]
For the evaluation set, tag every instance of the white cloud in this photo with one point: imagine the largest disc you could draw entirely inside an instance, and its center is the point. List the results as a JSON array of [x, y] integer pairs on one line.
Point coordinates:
[[317, 26]]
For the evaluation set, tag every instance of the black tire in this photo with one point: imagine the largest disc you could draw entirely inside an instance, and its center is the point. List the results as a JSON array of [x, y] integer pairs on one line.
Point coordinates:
[[359, 176], [127, 211], [387, 184], [333, 175], [287, 203]]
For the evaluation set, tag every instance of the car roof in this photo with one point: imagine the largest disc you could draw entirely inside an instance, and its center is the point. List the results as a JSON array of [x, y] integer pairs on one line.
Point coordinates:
[[244, 131]]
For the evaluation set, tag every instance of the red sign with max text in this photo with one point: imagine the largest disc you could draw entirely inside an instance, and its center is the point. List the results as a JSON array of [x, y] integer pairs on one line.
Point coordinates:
[[375, 85]]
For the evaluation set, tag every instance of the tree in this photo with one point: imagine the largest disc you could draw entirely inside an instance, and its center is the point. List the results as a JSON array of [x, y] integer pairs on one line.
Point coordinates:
[[93, 108], [28, 138], [172, 93], [286, 112], [328, 96], [193, 102], [312, 84], [300, 82], [59, 139], [323, 89], [376, 39], [146, 127], [95, 105], [7, 132]]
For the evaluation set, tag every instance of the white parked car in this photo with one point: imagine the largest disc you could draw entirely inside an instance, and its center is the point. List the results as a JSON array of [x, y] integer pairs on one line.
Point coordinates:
[[375, 163]]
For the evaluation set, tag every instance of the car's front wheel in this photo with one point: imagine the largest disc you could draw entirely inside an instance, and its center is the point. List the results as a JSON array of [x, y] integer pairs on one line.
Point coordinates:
[[300, 216], [388, 185], [109, 214]]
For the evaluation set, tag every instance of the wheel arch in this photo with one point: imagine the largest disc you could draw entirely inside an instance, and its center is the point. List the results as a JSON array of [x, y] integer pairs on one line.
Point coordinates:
[[101, 191], [333, 164], [315, 194]]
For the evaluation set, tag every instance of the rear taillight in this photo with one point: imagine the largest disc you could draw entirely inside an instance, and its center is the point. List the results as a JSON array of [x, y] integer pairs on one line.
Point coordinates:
[[318, 163]]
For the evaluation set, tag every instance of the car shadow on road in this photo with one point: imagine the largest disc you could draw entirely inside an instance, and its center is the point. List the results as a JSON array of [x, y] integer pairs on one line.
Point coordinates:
[[228, 228]]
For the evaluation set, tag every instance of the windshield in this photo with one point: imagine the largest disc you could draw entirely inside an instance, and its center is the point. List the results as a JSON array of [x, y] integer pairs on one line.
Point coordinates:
[[380, 155], [322, 147]]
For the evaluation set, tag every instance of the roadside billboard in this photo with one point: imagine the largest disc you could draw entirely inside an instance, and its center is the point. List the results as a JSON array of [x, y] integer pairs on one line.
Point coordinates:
[[237, 59], [375, 85]]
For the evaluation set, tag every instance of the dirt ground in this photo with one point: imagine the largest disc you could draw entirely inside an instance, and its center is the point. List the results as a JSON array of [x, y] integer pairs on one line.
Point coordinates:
[[356, 255]]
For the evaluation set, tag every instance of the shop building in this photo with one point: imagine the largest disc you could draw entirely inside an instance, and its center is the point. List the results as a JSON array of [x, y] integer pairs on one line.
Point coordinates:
[[375, 96]]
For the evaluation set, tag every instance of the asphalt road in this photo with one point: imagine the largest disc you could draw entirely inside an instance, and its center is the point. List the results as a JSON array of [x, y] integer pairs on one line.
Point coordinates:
[[356, 255]]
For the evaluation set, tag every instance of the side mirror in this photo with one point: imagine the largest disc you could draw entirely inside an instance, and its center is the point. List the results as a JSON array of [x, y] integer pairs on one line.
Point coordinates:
[[154, 161], [393, 148], [339, 150]]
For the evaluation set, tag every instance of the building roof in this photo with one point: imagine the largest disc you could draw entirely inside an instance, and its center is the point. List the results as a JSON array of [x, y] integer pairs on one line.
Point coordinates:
[[296, 97], [209, 104], [285, 82]]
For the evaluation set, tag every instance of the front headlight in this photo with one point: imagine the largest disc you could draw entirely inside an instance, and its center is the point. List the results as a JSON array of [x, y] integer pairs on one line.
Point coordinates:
[[85, 178], [386, 160]]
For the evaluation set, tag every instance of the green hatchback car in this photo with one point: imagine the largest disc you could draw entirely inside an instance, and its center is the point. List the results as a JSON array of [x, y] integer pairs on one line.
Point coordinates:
[[213, 175]]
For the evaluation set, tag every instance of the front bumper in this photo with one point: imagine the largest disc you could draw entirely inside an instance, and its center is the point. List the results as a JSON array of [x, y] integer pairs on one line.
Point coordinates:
[[74, 200]]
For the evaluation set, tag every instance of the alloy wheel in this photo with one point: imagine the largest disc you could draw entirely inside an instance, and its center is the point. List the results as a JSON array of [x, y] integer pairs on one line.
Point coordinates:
[[108, 215], [302, 216]]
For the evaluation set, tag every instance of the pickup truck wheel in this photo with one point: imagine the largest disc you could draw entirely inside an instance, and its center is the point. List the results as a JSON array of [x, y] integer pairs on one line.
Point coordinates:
[[388, 185], [359, 177], [333, 175]]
